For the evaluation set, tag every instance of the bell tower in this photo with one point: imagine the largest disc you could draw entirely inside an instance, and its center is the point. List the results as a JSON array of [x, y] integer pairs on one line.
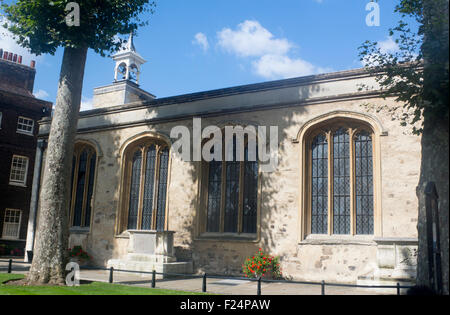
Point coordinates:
[[128, 63], [125, 88]]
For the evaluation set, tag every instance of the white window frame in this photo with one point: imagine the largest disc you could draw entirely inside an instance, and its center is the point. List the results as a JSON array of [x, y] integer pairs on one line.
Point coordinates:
[[7, 224], [25, 132], [15, 182]]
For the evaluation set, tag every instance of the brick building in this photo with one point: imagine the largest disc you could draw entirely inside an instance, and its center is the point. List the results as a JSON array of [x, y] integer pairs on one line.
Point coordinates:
[[19, 113]]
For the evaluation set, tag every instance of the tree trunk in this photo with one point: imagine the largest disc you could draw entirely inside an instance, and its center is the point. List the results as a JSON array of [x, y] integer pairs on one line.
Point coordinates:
[[434, 168], [50, 252], [435, 135]]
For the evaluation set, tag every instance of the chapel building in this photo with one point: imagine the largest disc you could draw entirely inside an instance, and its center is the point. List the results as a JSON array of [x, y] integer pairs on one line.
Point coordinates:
[[340, 205]]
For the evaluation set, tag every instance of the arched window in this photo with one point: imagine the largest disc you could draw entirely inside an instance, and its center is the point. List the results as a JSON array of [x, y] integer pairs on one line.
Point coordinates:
[[340, 184], [145, 189], [83, 177], [230, 193]]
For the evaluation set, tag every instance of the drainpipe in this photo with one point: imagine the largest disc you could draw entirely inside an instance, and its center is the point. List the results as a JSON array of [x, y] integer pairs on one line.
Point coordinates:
[[41, 146]]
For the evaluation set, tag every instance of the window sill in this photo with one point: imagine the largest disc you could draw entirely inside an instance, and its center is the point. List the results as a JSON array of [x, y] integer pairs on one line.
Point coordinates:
[[12, 239], [124, 235], [367, 240], [31, 134], [79, 230], [17, 184], [228, 237]]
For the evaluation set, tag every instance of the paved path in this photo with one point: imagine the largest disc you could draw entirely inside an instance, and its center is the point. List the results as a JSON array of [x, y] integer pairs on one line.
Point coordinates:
[[216, 286]]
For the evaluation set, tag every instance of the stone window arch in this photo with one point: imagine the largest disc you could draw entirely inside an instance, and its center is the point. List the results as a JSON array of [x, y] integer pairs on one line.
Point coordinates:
[[144, 201], [83, 180], [229, 203], [340, 180]]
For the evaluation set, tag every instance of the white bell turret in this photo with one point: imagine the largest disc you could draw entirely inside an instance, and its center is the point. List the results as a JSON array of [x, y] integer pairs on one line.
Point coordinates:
[[125, 88], [128, 63]]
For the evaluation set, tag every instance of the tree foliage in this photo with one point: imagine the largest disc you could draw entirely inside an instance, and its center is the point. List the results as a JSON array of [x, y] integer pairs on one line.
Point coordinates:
[[40, 25], [418, 72]]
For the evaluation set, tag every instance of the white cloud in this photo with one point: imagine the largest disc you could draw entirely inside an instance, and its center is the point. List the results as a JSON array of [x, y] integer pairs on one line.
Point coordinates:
[[252, 40], [388, 46], [276, 66], [41, 94], [86, 103], [271, 55], [7, 43], [202, 41]]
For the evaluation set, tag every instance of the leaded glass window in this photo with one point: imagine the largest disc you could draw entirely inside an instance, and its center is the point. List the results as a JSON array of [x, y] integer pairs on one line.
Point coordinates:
[[341, 181], [147, 207], [232, 194], [162, 189], [79, 190], [146, 183], [364, 183], [319, 174], [233, 172], [250, 205], [214, 196], [83, 179], [135, 188]]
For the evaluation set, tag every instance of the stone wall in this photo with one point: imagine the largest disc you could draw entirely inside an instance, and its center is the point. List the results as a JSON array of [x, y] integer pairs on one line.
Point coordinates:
[[337, 259]]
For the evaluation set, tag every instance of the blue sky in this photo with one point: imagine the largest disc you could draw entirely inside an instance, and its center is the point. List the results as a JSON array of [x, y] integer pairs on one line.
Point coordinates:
[[199, 45]]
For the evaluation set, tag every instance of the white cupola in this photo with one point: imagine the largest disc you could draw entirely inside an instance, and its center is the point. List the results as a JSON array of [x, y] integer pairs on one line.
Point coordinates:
[[128, 63], [125, 88]]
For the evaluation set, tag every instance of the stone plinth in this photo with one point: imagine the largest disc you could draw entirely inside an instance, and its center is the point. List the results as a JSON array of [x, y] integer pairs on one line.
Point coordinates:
[[396, 262], [151, 243], [151, 250]]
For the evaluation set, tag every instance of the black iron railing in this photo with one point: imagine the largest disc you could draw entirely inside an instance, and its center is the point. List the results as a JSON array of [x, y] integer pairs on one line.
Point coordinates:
[[259, 281]]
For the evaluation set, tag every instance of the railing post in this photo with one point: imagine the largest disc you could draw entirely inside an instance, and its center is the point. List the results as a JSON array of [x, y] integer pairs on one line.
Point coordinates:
[[154, 279], [111, 275], [323, 288], [398, 289], [204, 283], [10, 266], [258, 291]]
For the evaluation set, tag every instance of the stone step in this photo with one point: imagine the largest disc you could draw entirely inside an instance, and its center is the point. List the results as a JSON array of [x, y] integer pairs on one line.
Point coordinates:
[[151, 258], [183, 268], [386, 281]]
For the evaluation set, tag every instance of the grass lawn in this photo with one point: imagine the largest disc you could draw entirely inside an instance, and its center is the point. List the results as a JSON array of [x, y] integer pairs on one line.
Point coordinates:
[[95, 288]]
